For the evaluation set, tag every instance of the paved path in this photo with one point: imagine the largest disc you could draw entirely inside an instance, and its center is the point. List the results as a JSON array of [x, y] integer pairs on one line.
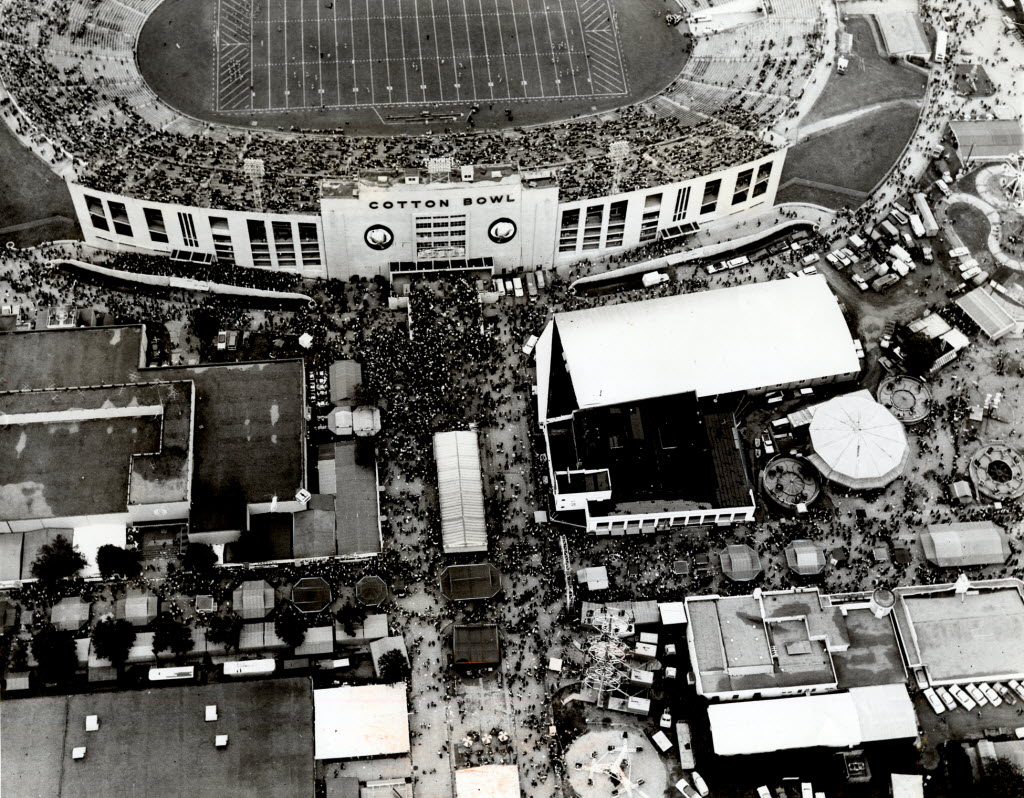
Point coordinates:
[[823, 125]]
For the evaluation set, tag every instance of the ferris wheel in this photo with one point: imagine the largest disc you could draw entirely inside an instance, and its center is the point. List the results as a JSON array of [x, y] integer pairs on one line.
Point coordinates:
[[1012, 180]]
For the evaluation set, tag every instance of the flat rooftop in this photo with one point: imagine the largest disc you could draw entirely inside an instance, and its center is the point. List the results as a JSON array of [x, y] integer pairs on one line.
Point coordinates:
[[712, 342], [249, 436], [156, 743], [977, 636], [93, 451], [815, 643]]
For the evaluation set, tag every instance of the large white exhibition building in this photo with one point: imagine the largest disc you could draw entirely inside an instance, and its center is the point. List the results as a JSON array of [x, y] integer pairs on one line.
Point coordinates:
[[484, 218], [637, 401]]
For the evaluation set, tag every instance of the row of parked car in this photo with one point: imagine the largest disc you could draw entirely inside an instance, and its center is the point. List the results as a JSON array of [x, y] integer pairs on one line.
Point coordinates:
[[972, 696]]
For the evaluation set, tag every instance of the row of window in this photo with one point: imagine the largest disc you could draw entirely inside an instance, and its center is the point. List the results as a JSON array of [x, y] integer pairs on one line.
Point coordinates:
[[651, 525], [594, 218], [289, 251]]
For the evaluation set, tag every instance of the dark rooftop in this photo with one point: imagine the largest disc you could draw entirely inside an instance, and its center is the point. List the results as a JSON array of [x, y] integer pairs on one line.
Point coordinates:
[[467, 582], [475, 644]]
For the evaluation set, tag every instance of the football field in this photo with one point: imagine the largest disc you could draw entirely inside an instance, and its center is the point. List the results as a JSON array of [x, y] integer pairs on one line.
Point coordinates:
[[277, 55]]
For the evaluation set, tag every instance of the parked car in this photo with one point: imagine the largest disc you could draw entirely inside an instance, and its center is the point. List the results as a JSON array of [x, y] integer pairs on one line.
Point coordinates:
[[666, 720], [976, 694], [699, 784], [684, 787], [990, 694], [1017, 688], [768, 443], [934, 701], [962, 698], [946, 698], [809, 270], [860, 282], [762, 792], [1005, 693]]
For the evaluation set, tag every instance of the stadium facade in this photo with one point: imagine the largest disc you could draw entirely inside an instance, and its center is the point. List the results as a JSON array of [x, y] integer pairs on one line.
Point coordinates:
[[472, 218], [638, 402]]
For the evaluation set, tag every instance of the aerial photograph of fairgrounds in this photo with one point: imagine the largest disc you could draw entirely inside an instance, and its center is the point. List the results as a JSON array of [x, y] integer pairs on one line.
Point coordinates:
[[512, 398]]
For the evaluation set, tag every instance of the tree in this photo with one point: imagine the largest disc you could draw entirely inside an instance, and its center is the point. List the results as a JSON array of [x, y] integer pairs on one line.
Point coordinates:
[[392, 666], [200, 558], [58, 560], [170, 633], [226, 629], [114, 561], [290, 625], [112, 639], [54, 650], [1003, 779], [348, 616]]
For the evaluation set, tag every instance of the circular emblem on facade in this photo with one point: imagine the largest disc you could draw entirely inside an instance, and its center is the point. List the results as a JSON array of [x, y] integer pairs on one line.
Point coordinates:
[[378, 237], [502, 230]]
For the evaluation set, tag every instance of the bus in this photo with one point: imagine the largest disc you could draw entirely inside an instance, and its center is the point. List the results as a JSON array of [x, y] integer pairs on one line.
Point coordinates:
[[916, 225], [941, 40], [250, 667], [172, 674]]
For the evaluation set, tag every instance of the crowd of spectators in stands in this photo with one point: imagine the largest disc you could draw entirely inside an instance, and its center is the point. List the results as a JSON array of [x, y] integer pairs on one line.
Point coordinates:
[[78, 103]]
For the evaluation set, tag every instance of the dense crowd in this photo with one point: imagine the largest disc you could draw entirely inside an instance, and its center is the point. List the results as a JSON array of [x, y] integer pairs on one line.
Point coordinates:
[[76, 103]]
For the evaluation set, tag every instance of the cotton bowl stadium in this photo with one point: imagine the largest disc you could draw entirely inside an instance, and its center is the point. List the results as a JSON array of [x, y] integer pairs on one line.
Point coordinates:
[[338, 138]]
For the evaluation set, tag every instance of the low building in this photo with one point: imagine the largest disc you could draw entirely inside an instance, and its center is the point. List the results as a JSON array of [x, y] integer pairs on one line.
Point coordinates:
[[963, 634], [836, 720], [475, 644], [965, 543], [637, 401], [460, 492], [790, 642], [986, 140], [360, 721]]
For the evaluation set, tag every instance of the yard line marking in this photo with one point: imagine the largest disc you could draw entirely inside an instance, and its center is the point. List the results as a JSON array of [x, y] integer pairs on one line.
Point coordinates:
[[252, 56], [337, 52], [352, 33], [437, 53], [519, 49], [216, 65], [285, 31], [270, 81], [405, 59], [387, 62], [419, 47], [320, 54], [554, 61], [469, 43], [302, 49], [501, 44], [455, 60], [483, 25], [565, 31], [583, 39], [536, 46], [369, 44]]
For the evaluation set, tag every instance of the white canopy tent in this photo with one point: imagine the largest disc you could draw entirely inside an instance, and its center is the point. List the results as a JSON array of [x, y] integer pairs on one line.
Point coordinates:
[[364, 720], [487, 781], [460, 491], [858, 443]]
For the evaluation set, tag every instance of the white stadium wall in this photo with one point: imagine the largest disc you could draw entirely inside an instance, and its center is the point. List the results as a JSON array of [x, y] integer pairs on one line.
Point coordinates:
[[292, 242], [369, 225], [594, 227]]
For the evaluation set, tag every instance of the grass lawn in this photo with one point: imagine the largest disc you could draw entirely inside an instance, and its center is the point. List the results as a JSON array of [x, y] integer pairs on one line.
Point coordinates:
[[816, 195], [855, 155], [31, 193], [381, 68], [870, 78], [972, 226]]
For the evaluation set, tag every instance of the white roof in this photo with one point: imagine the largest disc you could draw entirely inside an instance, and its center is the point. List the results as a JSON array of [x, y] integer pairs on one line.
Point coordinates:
[[858, 442], [487, 781], [365, 720], [712, 342], [672, 612], [461, 491], [833, 720], [907, 786]]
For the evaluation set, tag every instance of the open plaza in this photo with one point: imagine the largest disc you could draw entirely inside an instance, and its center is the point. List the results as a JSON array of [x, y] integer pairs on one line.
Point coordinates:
[[574, 399]]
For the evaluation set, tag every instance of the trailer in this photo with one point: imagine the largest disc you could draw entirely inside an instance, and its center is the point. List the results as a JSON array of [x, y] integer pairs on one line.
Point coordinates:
[[941, 43], [889, 229], [916, 225], [931, 228]]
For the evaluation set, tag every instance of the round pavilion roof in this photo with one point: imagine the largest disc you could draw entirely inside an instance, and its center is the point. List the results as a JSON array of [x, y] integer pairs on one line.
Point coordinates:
[[858, 443]]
